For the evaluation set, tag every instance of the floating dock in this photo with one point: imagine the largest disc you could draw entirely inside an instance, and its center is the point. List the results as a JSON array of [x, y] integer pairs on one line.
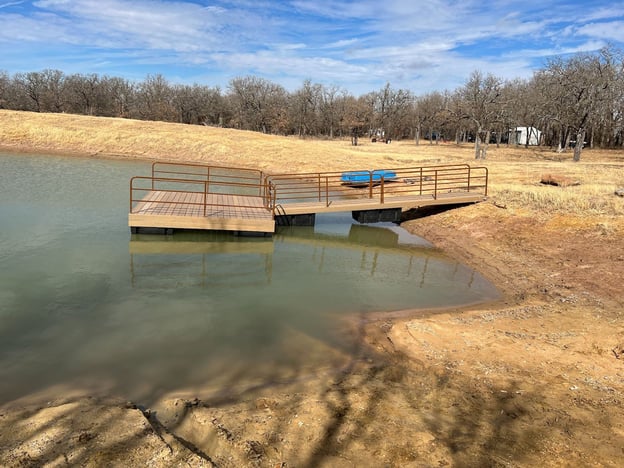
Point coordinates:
[[195, 196]]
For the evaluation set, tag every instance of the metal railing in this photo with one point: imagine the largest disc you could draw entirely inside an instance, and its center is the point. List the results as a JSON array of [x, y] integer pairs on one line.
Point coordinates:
[[207, 173], [326, 187], [189, 186]]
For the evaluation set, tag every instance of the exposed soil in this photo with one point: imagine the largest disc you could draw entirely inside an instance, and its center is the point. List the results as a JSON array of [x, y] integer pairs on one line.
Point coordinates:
[[536, 379]]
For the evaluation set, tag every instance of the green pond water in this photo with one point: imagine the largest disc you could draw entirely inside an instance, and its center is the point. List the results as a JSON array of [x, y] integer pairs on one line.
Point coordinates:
[[86, 305]]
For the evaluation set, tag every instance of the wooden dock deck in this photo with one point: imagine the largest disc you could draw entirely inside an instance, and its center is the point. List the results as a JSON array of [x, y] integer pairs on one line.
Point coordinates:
[[405, 202], [193, 196], [217, 212]]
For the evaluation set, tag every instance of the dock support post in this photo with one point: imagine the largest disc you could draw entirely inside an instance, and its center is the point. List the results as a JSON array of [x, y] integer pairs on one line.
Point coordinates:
[[388, 215], [296, 220]]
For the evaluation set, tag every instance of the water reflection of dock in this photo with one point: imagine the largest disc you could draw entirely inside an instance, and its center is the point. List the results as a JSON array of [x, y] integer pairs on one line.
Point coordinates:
[[199, 259], [169, 246], [216, 259]]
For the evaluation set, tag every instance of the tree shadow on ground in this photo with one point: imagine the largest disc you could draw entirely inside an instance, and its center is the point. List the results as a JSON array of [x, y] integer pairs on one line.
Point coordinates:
[[380, 408]]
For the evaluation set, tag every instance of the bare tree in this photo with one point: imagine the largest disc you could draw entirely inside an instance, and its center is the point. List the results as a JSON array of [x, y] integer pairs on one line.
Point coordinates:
[[358, 116], [305, 104], [121, 96], [32, 85], [578, 89], [85, 94], [258, 104], [480, 101], [5, 89], [332, 109], [431, 109], [391, 110], [155, 99]]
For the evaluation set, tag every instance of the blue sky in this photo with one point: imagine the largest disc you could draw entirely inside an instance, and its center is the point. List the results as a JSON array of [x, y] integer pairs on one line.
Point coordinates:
[[355, 45]]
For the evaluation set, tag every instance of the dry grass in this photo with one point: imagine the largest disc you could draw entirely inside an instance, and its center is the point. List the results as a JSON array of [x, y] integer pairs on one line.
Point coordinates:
[[514, 172]]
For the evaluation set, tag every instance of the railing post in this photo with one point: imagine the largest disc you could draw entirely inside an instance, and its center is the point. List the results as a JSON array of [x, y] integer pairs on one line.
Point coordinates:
[[326, 190], [381, 192], [435, 186], [205, 196], [486, 181], [319, 187], [421, 180], [468, 179], [370, 184]]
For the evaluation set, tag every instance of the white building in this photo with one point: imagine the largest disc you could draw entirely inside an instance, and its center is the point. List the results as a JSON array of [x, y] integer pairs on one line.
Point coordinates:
[[522, 135]]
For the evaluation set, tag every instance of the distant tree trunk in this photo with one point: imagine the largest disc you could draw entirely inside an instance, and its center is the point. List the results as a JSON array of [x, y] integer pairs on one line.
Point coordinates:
[[417, 136], [485, 146], [578, 147], [481, 146], [566, 143]]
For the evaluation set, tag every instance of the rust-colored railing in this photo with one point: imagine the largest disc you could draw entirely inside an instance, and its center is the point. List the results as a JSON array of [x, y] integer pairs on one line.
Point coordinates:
[[207, 173], [430, 181], [188, 186]]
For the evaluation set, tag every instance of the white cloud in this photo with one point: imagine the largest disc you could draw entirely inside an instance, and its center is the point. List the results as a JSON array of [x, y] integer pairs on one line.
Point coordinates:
[[610, 31], [9, 4]]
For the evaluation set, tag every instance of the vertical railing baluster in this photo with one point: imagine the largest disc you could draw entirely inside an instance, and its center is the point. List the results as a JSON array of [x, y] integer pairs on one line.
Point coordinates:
[[381, 194], [486, 181], [319, 187], [205, 196], [326, 190]]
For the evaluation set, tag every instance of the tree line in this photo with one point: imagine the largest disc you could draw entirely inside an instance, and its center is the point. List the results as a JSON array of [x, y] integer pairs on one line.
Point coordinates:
[[575, 102]]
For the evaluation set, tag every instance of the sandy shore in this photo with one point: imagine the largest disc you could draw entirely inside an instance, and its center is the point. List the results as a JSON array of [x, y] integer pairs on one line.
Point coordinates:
[[536, 379]]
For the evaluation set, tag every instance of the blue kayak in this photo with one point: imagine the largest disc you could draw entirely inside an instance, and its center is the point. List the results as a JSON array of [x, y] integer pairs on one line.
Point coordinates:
[[364, 177]]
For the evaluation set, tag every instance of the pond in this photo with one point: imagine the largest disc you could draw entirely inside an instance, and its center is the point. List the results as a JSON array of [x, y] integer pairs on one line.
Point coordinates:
[[85, 305]]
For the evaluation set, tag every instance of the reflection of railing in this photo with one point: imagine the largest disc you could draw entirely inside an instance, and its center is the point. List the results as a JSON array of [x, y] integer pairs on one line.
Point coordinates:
[[431, 181]]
